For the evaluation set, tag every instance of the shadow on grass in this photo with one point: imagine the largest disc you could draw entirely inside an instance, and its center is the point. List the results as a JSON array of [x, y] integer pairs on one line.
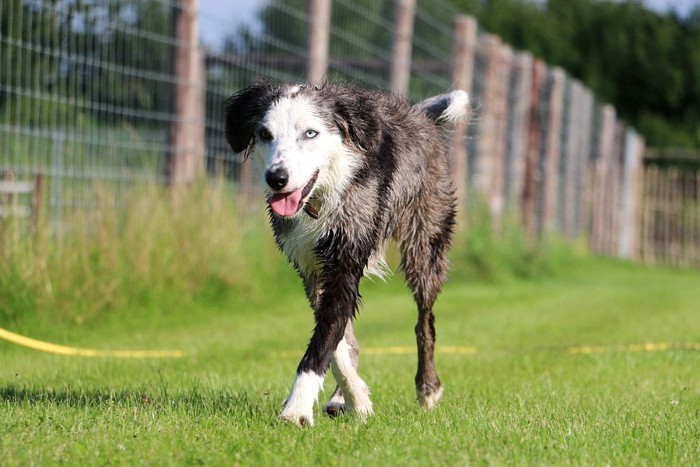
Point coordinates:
[[221, 402]]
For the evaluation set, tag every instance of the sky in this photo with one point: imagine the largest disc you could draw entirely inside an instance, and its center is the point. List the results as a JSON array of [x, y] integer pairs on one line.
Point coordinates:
[[220, 17], [682, 6]]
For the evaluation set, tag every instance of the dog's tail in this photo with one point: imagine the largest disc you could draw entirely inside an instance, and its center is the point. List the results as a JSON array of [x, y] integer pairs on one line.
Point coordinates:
[[448, 108]]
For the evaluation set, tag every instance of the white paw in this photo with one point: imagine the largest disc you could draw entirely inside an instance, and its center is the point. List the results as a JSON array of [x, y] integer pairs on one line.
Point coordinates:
[[362, 411], [430, 400], [359, 403], [299, 406], [297, 417]]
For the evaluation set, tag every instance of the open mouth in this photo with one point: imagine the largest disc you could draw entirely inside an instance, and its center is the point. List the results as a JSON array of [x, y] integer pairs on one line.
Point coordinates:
[[288, 204]]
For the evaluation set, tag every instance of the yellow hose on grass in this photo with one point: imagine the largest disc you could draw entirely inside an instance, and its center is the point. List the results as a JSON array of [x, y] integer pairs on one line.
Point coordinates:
[[78, 352]]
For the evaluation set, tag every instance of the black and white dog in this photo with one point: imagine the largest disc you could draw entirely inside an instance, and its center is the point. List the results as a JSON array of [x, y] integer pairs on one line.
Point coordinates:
[[346, 170]]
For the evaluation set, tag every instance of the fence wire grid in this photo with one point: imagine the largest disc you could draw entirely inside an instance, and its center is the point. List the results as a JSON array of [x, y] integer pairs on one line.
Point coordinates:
[[89, 95]]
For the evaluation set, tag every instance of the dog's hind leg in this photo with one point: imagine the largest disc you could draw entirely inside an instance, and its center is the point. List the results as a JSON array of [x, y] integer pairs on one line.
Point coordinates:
[[351, 393], [424, 262]]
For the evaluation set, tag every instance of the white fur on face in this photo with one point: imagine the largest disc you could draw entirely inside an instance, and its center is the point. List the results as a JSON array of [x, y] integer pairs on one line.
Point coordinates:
[[287, 121], [292, 147]]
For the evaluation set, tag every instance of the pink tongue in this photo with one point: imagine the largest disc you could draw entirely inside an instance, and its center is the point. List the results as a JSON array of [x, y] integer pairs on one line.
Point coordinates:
[[286, 204]]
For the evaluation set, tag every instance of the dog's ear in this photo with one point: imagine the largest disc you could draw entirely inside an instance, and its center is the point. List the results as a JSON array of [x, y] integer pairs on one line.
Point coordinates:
[[357, 120], [244, 110]]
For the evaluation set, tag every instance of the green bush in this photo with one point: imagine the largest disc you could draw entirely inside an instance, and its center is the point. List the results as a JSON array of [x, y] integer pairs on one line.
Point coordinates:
[[161, 247], [661, 132], [158, 248]]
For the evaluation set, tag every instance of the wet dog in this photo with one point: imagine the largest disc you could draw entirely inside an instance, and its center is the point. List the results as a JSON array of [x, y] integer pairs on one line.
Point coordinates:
[[346, 170]]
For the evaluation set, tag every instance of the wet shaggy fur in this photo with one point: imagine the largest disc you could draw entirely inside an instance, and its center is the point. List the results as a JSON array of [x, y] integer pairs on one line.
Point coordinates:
[[381, 173]]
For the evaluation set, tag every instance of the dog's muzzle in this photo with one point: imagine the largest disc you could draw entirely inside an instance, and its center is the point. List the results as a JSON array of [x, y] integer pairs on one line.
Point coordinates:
[[288, 204]]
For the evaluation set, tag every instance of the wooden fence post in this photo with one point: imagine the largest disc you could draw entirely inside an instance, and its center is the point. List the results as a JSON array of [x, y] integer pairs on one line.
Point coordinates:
[[519, 123], [649, 183], [37, 207], [614, 190], [600, 195], [532, 176], [489, 162], [501, 117], [583, 173], [552, 150], [571, 143], [404, 16], [186, 136], [630, 195], [462, 76], [319, 37]]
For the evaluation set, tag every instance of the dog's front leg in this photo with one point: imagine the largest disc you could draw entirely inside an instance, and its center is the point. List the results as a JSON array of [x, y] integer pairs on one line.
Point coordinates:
[[342, 265]]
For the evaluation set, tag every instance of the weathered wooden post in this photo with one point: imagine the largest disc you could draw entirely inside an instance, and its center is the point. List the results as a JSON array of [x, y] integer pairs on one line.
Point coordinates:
[[519, 123], [631, 194], [570, 145], [600, 196], [186, 148], [552, 150], [501, 116], [488, 164], [614, 191], [319, 37], [37, 206], [583, 167], [533, 177], [404, 16], [462, 76]]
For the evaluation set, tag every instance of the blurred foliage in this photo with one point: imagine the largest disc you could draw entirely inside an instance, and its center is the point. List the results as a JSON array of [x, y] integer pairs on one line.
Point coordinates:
[[645, 63], [108, 58], [156, 247], [24, 35]]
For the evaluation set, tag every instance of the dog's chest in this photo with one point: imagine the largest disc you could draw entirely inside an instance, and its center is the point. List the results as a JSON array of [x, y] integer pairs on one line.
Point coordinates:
[[298, 240]]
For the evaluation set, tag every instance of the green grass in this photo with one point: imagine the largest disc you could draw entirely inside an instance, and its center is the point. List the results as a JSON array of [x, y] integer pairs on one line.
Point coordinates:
[[522, 398], [184, 272]]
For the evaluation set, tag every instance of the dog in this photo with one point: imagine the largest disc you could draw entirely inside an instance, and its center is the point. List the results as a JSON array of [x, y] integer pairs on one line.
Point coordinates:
[[346, 169]]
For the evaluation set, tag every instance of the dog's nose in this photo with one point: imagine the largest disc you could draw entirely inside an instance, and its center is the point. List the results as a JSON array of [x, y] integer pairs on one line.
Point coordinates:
[[277, 177]]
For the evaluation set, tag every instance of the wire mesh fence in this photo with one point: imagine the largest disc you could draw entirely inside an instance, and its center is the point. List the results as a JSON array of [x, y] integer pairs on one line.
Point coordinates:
[[110, 93], [84, 96]]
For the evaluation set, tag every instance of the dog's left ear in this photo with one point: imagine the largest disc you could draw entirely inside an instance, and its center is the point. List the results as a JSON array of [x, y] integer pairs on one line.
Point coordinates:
[[244, 110], [356, 119]]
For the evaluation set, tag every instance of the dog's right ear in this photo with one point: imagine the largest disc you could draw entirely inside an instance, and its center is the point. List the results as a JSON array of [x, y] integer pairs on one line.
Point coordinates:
[[244, 110]]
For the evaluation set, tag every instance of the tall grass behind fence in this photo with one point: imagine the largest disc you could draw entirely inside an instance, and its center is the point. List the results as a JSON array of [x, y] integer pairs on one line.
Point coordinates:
[[97, 95]]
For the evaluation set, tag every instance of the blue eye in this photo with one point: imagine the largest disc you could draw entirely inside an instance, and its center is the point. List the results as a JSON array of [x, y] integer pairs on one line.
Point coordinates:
[[311, 133]]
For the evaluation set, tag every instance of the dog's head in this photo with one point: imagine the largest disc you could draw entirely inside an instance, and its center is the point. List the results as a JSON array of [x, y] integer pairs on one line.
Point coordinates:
[[305, 139]]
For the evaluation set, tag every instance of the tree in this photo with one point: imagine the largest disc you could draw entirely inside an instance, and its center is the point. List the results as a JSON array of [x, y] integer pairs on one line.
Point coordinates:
[[25, 30], [126, 64], [107, 58]]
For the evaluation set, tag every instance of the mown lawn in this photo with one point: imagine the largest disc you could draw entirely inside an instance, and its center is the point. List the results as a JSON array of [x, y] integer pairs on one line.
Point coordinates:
[[522, 397]]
